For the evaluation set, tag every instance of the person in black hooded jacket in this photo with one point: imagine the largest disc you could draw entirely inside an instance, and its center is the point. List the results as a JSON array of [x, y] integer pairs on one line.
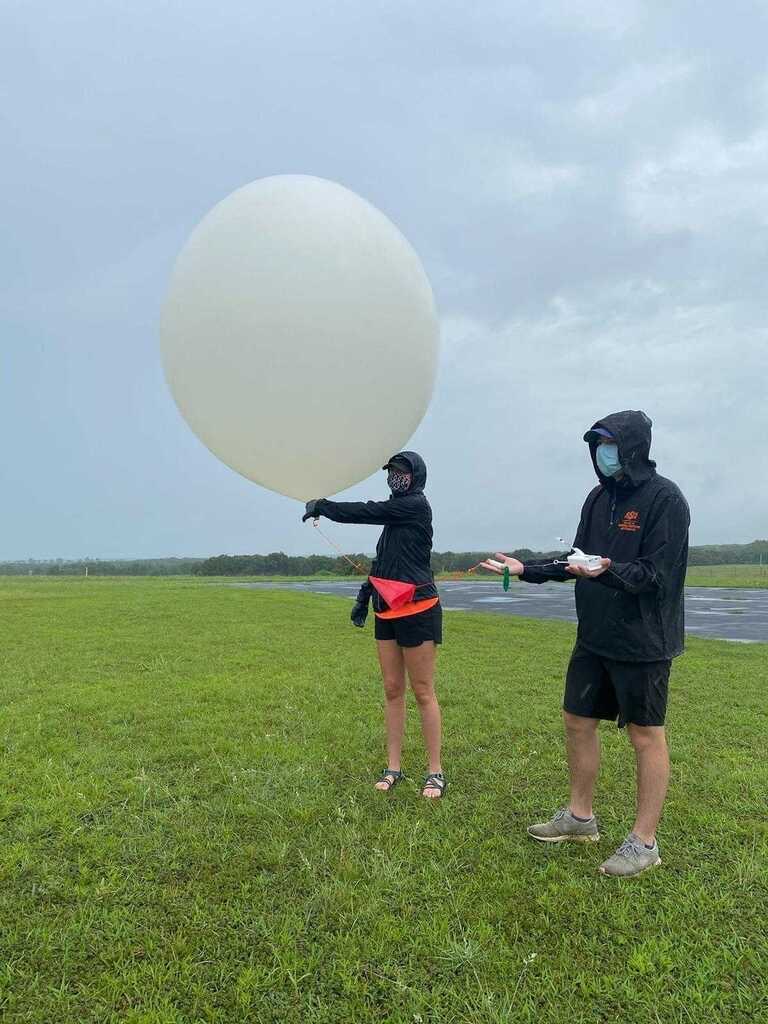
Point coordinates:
[[406, 605], [630, 626]]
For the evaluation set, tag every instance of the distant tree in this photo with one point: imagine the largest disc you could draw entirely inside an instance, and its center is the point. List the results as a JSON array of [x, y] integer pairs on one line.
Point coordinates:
[[277, 563]]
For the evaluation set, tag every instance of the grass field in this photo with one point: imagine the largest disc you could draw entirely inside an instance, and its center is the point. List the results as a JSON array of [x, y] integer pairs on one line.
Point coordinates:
[[190, 833], [749, 576]]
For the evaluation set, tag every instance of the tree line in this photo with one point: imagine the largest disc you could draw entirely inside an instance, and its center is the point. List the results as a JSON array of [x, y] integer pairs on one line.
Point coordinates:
[[755, 553], [279, 564], [101, 567]]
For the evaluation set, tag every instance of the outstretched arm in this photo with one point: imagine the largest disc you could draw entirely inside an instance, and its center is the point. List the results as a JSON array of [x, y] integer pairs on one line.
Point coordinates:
[[371, 513], [541, 570], [545, 570]]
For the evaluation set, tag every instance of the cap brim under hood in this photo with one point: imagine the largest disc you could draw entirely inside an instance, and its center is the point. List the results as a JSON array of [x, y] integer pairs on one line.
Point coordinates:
[[631, 429], [417, 467]]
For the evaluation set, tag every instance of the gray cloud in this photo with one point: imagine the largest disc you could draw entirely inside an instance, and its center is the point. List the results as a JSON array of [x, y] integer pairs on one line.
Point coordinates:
[[584, 181]]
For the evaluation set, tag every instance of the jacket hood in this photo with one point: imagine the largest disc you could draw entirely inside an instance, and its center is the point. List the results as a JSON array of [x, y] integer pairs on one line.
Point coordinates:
[[632, 431], [418, 470]]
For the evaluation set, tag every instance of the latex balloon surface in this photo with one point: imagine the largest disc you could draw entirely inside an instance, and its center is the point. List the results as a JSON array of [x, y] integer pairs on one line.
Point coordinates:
[[299, 335]]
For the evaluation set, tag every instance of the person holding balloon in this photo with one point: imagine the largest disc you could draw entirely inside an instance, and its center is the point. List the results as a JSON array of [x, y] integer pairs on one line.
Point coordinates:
[[261, 330], [406, 606]]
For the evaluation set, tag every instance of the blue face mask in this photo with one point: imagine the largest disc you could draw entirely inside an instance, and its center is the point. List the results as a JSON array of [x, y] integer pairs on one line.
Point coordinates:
[[607, 458]]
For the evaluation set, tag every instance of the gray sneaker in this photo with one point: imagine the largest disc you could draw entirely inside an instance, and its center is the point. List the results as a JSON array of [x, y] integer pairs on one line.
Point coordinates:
[[632, 858], [564, 827]]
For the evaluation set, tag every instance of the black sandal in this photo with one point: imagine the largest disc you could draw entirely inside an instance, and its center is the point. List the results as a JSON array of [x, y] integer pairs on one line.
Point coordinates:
[[391, 777], [435, 780]]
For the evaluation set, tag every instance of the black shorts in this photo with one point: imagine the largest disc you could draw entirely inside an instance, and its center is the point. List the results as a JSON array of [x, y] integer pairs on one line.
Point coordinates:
[[413, 630], [633, 692]]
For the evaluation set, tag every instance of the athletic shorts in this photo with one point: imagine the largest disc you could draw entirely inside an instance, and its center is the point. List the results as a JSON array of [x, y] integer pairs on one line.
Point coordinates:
[[413, 630], [633, 692]]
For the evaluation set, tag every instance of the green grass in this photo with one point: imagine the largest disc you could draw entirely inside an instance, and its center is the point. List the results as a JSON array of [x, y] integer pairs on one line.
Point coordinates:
[[190, 833], [750, 576], [698, 576]]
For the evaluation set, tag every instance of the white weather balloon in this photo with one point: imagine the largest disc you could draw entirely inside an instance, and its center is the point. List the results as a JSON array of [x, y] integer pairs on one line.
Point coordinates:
[[299, 336]]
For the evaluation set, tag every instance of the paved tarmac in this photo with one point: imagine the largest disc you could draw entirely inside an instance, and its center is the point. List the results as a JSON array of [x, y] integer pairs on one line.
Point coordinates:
[[717, 612]]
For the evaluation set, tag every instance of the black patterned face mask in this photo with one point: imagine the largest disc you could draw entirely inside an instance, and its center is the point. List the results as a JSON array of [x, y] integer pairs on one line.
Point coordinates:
[[398, 482]]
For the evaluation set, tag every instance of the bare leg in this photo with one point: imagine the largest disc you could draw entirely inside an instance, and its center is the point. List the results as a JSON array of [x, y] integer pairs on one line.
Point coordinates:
[[393, 677], [583, 744], [652, 758], [420, 662]]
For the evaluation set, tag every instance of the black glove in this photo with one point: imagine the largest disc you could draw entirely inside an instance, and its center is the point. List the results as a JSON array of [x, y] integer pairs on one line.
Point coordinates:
[[312, 510], [360, 609], [359, 613]]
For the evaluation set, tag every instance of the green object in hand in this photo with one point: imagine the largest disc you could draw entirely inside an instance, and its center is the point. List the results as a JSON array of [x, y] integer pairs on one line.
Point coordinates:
[[505, 582]]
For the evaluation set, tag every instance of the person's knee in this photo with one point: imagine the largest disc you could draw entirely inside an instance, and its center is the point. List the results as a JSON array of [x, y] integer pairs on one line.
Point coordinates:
[[578, 726], [394, 688], [647, 737], [423, 691]]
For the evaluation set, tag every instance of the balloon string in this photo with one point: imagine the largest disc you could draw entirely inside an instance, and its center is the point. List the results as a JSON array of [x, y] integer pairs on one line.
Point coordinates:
[[327, 539], [364, 572]]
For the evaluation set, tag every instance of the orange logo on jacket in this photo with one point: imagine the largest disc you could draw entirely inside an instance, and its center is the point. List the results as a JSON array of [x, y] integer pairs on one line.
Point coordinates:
[[630, 522]]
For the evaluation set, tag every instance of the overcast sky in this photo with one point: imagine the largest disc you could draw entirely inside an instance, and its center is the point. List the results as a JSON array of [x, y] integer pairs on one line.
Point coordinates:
[[586, 183]]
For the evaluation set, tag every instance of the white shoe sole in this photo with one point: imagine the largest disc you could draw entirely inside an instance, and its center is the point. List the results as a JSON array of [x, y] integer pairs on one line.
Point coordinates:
[[566, 839], [609, 874]]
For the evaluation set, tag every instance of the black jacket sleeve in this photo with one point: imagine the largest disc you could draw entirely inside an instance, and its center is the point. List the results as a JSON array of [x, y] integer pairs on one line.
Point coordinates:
[[374, 513], [661, 551], [544, 572], [364, 593]]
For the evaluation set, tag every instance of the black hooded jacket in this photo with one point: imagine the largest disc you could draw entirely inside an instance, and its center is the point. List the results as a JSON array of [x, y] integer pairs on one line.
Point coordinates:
[[634, 610], [405, 545]]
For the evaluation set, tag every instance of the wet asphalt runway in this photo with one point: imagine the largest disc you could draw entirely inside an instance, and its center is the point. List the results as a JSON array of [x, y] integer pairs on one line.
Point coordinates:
[[723, 614]]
